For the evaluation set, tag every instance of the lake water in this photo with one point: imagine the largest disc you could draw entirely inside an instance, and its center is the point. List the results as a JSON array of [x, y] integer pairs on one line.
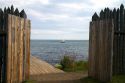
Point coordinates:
[[53, 50]]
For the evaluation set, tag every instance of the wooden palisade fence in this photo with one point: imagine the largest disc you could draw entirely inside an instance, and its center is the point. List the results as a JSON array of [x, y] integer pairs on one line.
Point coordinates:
[[107, 44], [14, 46]]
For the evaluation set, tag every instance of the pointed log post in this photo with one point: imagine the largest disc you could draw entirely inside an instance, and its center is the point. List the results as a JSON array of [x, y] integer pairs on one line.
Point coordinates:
[[115, 46], [107, 13], [5, 10], [110, 14], [12, 10], [23, 14], [122, 18], [16, 12], [118, 42], [122, 29], [95, 17], [101, 15], [1, 17], [8, 10]]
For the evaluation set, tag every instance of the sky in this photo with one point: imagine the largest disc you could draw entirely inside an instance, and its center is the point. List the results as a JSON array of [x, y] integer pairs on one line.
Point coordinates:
[[61, 19]]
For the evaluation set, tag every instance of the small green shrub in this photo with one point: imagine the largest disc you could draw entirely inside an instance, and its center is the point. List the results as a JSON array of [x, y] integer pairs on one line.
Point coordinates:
[[70, 65], [67, 62], [58, 66]]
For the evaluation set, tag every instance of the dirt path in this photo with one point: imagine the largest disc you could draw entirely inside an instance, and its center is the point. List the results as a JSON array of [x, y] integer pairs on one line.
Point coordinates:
[[42, 72], [59, 78]]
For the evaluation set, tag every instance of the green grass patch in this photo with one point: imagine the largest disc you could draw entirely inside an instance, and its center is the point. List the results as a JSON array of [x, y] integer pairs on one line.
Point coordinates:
[[115, 79], [78, 66], [89, 80], [29, 81], [118, 79], [68, 64]]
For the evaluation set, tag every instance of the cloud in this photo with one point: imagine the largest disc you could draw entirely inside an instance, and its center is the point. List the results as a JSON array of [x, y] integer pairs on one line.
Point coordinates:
[[56, 34], [67, 1], [47, 16], [61, 19], [72, 6]]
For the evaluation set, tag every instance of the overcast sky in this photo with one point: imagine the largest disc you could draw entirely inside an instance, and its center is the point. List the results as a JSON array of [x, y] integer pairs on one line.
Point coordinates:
[[61, 19]]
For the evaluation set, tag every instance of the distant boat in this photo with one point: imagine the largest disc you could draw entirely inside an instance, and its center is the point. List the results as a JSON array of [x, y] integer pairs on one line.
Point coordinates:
[[62, 41]]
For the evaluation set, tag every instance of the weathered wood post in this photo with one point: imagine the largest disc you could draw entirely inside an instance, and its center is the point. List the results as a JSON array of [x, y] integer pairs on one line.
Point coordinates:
[[106, 44], [14, 46]]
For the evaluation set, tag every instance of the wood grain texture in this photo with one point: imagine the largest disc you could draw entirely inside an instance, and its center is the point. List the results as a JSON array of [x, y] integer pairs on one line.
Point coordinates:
[[18, 49], [101, 50], [106, 44], [11, 45]]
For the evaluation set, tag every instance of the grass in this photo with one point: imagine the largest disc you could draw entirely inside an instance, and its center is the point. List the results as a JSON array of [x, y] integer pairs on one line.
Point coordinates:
[[29, 81], [78, 66], [115, 79], [89, 80], [118, 79], [70, 65]]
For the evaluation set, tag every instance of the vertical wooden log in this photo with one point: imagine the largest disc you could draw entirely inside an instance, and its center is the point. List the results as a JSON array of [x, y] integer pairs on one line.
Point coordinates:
[[121, 36], [8, 56], [122, 23], [24, 49], [110, 37], [115, 43], [96, 48], [102, 56], [15, 48], [90, 51], [0, 45], [13, 53], [124, 44], [99, 56], [12, 48], [118, 54], [0, 59], [28, 50], [21, 50], [3, 49]]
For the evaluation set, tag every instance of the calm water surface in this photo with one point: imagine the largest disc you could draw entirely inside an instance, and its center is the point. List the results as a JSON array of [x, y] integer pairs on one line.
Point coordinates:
[[53, 50]]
